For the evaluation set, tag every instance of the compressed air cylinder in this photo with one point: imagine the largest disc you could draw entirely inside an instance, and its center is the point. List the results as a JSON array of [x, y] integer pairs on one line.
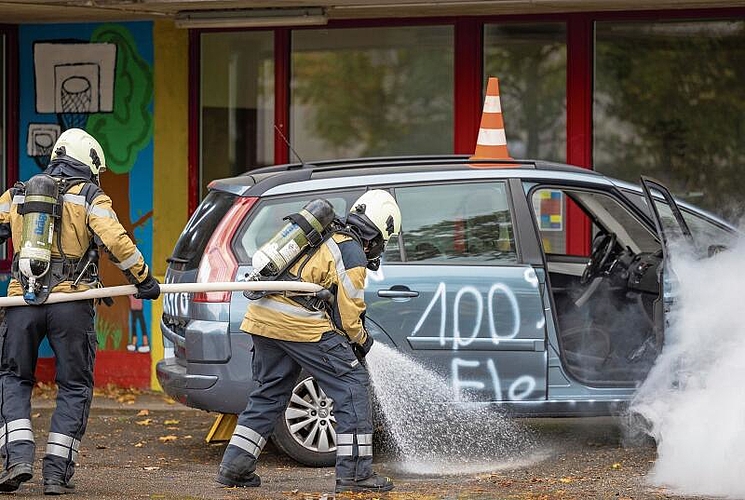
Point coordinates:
[[37, 234], [279, 252]]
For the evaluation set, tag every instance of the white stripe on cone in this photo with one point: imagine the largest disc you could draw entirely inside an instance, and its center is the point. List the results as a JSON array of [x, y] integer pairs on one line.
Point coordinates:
[[491, 137], [492, 104]]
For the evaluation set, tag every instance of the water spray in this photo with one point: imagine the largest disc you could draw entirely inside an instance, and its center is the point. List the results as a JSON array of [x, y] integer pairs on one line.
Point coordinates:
[[436, 431]]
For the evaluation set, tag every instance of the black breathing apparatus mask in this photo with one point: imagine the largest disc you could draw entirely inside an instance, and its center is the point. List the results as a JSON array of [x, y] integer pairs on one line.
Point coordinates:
[[372, 241]]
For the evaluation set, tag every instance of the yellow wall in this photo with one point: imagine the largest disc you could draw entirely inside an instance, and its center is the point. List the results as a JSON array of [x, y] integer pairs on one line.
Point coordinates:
[[170, 162]]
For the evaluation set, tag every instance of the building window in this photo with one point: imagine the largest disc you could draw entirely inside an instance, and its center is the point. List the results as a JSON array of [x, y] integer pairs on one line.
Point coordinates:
[[372, 91], [530, 61], [3, 135], [236, 103], [3, 130], [668, 100]]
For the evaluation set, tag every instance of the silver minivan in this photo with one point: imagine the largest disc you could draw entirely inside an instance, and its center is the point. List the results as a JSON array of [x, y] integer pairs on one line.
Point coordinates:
[[482, 284]]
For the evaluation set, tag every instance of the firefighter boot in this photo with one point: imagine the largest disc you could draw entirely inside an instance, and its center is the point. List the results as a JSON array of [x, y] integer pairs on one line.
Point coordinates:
[[57, 486], [239, 472], [12, 477], [373, 483]]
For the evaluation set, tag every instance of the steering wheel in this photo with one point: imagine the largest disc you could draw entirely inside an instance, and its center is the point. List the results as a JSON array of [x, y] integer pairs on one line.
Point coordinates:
[[602, 249]]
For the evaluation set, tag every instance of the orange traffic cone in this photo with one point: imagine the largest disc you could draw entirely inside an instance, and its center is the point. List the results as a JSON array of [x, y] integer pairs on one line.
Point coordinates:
[[492, 141]]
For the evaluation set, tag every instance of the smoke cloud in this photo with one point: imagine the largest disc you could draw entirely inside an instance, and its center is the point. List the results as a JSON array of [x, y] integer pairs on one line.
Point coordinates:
[[694, 397]]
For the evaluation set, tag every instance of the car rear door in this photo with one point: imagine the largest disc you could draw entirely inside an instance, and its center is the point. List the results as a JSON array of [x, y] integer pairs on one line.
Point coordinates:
[[454, 293]]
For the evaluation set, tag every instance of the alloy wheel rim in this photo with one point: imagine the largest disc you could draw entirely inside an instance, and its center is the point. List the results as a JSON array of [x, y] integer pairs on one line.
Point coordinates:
[[310, 417]]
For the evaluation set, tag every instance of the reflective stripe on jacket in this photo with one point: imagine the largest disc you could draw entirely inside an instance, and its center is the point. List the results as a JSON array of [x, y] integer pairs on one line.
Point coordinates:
[[339, 265], [86, 212]]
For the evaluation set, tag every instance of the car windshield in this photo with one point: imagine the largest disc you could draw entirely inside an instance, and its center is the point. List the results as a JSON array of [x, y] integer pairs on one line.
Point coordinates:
[[190, 246], [706, 232]]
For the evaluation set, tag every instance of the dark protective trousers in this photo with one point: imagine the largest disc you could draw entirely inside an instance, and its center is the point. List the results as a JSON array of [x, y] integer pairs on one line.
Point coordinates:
[[69, 328], [276, 368]]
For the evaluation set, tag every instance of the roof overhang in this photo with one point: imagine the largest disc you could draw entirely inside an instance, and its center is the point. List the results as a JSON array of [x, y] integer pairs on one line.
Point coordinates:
[[241, 12]]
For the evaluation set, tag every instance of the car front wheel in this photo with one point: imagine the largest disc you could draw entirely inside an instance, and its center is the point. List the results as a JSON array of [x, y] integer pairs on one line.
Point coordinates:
[[305, 431]]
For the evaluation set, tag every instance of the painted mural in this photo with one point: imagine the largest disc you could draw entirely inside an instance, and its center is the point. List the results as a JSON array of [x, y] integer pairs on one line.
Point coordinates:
[[98, 77]]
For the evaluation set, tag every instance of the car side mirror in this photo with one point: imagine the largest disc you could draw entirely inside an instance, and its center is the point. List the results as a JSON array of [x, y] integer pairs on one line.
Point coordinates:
[[715, 249]]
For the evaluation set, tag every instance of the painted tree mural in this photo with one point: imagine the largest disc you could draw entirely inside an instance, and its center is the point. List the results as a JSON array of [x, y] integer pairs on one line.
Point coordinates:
[[123, 133]]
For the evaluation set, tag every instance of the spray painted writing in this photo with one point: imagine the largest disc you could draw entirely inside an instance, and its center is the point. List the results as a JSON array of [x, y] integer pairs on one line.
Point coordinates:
[[475, 374], [520, 388], [458, 339]]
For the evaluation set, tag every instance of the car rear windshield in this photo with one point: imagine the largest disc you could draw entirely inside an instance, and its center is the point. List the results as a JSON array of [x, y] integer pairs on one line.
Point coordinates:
[[199, 229]]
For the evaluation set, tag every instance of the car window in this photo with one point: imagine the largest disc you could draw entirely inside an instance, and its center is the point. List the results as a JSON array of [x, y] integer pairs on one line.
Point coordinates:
[[454, 223], [193, 240], [602, 208], [550, 207], [267, 218]]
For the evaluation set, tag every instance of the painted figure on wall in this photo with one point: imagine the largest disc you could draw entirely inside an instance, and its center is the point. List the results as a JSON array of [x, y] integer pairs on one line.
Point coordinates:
[[137, 342]]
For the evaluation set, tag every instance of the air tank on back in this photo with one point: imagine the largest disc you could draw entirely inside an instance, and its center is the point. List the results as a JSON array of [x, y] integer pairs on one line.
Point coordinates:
[[276, 255], [37, 235]]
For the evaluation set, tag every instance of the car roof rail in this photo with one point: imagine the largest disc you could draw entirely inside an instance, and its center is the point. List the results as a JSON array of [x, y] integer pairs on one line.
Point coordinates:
[[387, 161]]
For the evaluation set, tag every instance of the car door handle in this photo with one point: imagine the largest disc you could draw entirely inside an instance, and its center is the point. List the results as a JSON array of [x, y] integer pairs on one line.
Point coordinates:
[[398, 293]]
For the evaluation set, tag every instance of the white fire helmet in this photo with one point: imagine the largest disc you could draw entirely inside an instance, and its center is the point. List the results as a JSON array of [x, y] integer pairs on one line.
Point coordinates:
[[380, 209], [81, 146]]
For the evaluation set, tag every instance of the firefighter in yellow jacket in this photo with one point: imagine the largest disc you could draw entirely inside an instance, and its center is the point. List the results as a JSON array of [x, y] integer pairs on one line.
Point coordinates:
[[328, 342], [57, 220]]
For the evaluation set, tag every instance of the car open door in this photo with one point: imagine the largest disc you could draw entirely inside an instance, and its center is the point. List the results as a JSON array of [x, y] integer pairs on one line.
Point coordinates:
[[674, 232], [671, 226]]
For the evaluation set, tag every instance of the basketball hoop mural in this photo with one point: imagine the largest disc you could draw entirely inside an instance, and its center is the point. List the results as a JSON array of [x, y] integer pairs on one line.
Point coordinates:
[[73, 80], [41, 138]]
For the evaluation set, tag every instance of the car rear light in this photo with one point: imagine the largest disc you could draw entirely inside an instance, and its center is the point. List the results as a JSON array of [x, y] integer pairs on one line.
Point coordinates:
[[218, 262]]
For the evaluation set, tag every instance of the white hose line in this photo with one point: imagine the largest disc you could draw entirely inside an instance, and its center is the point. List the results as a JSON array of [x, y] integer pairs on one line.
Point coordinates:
[[116, 291]]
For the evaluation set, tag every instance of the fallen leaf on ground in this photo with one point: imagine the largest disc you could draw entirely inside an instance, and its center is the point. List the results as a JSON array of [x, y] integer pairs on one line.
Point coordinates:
[[147, 421], [143, 413], [172, 422], [151, 468], [167, 439]]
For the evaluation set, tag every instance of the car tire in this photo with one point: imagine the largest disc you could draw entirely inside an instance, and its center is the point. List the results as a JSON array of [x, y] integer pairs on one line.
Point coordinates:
[[305, 431]]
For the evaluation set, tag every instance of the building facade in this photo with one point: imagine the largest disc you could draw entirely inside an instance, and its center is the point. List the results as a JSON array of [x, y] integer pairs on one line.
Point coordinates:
[[180, 98]]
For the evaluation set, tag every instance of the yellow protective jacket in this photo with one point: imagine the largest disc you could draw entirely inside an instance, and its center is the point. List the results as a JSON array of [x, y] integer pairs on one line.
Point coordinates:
[[86, 213], [339, 265]]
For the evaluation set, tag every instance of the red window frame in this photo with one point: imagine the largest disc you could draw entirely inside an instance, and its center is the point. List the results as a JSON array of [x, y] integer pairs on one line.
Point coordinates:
[[11, 121]]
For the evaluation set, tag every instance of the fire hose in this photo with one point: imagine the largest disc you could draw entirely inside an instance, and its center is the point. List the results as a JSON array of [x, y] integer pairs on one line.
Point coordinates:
[[229, 286]]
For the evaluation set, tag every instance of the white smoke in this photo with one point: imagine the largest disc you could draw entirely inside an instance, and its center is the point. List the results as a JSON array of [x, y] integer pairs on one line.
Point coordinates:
[[694, 396]]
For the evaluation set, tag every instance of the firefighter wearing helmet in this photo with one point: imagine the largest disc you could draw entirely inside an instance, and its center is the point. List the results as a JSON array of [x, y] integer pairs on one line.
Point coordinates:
[[57, 220], [327, 339]]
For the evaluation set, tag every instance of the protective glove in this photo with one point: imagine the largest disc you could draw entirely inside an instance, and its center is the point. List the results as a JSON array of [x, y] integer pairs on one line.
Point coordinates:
[[149, 289], [367, 344], [5, 232], [361, 350]]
